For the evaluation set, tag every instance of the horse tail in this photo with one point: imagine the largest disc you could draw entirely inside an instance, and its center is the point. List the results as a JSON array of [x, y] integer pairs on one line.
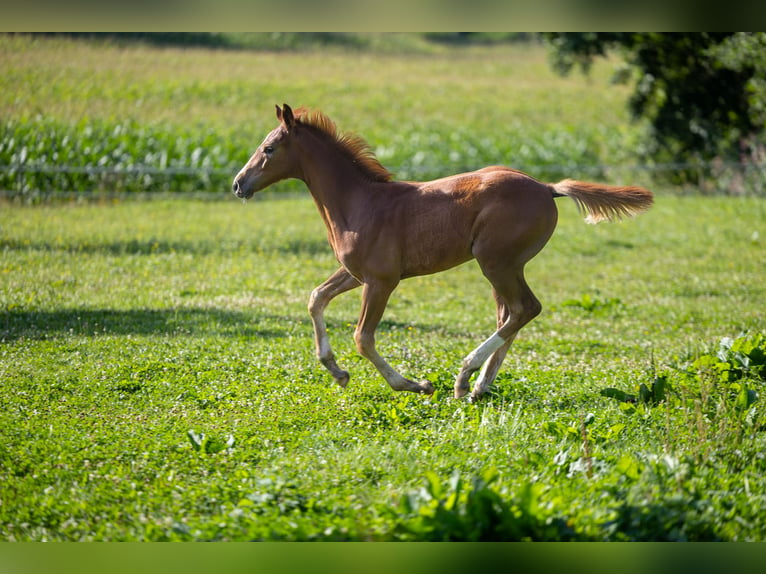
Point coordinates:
[[600, 202]]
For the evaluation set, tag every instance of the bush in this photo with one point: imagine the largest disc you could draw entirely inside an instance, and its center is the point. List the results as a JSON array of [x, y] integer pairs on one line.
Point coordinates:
[[472, 510]]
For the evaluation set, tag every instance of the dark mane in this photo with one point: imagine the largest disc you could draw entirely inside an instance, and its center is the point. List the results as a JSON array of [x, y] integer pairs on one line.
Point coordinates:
[[354, 146]]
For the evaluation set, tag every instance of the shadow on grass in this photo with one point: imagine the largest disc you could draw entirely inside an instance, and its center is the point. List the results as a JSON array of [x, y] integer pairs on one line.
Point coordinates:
[[23, 324], [298, 246], [40, 325]]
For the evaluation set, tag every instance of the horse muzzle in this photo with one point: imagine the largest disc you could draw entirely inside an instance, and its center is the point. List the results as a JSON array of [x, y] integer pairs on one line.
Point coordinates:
[[241, 189]]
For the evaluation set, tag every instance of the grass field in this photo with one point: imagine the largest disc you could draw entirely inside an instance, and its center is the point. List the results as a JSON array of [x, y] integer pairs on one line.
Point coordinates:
[[159, 383], [157, 366]]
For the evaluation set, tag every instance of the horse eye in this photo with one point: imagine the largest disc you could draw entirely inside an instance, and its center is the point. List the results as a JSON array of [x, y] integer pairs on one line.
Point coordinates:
[[268, 149]]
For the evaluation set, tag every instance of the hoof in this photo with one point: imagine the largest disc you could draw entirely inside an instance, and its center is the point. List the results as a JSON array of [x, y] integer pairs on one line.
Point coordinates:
[[343, 379], [460, 392], [426, 388]]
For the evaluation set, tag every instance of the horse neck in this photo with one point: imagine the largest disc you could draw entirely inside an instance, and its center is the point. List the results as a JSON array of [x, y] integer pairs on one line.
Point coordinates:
[[335, 182]]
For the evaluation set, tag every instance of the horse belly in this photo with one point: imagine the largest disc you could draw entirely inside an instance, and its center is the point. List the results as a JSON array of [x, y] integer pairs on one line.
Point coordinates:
[[435, 242]]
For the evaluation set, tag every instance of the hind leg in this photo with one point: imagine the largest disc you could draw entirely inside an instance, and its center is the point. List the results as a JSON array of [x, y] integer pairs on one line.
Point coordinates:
[[517, 305], [511, 233], [492, 365]]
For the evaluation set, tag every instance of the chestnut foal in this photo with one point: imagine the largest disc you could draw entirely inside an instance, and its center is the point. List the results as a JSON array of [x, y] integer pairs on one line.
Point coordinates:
[[383, 231]]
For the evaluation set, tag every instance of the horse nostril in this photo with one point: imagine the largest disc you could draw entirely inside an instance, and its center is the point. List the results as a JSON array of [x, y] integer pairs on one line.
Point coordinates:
[[235, 187]]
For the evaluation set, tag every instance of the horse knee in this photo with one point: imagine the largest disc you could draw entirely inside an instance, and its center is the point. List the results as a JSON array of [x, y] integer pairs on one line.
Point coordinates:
[[365, 343], [315, 305]]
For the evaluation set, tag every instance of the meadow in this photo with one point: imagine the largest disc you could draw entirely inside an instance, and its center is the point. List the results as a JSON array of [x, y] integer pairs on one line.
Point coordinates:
[[71, 110], [157, 366]]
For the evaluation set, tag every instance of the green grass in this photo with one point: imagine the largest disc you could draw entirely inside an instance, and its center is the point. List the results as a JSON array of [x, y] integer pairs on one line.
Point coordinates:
[[134, 107], [159, 383]]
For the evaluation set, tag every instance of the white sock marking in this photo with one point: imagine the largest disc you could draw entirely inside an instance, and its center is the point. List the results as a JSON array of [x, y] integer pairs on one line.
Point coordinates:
[[480, 354]]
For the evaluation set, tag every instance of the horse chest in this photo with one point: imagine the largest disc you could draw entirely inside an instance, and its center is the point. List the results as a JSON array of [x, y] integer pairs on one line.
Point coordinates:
[[366, 255]]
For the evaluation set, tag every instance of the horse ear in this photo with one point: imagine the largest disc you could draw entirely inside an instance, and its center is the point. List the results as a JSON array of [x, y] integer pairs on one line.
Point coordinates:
[[279, 113], [287, 116]]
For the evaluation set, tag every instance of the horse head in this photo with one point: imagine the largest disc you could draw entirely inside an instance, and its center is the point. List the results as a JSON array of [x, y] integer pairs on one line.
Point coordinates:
[[272, 161]]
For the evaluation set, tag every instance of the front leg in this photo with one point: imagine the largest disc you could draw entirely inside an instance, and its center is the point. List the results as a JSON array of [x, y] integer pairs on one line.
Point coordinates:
[[339, 282], [374, 299]]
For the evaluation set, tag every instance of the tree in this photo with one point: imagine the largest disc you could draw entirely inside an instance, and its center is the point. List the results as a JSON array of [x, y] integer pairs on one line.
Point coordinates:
[[704, 94]]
